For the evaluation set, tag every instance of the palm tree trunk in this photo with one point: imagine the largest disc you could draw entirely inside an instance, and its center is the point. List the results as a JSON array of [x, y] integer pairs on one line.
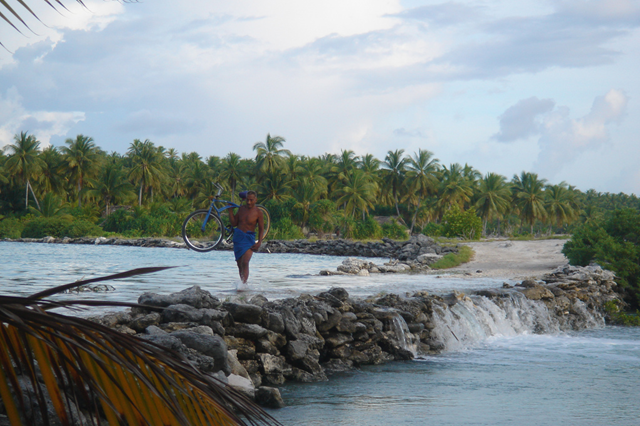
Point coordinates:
[[29, 187], [140, 196], [413, 219]]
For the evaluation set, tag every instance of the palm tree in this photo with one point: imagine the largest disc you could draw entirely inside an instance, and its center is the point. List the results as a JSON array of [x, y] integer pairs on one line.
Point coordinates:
[[313, 171], [344, 165], [422, 178], [82, 160], [357, 194], [269, 154], [455, 188], [69, 364], [111, 186], [51, 179], [396, 167], [494, 198], [231, 171], [529, 197], [275, 187], [561, 204], [147, 168], [24, 163], [51, 206]]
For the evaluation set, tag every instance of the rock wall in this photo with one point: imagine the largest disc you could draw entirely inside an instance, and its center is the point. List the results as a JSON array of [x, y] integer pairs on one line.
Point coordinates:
[[256, 344]]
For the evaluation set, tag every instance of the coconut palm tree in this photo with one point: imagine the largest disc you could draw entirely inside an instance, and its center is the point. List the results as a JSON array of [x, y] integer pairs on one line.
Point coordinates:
[[231, 171], [528, 195], [455, 188], [313, 170], [270, 154], [396, 167], [147, 167], [24, 162], [50, 206], [422, 177], [561, 204], [69, 370], [358, 193], [81, 161], [494, 198], [111, 187], [51, 178]]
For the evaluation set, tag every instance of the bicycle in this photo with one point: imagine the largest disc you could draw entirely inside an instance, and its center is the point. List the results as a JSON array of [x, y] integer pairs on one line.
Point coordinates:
[[204, 229]]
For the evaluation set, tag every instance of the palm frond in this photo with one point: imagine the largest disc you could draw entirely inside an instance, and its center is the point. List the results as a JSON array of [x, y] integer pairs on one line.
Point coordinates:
[[75, 365]]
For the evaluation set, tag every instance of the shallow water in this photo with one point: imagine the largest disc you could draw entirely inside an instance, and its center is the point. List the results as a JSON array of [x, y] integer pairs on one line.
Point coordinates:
[[31, 267], [586, 378], [509, 378]]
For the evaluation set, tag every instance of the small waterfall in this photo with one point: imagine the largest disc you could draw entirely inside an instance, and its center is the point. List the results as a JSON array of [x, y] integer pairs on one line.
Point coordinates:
[[476, 318], [406, 339]]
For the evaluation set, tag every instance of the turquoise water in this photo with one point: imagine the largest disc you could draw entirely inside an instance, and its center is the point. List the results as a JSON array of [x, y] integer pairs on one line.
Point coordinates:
[[586, 378], [583, 378]]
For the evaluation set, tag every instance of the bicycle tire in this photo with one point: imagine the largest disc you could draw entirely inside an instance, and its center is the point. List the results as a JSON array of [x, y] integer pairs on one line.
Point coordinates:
[[266, 218], [198, 240]]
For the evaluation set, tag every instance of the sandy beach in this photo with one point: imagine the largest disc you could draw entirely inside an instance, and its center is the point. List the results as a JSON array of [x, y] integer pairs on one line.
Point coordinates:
[[514, 259]]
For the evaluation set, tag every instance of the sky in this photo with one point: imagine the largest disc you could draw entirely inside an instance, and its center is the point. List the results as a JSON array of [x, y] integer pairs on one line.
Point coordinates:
[[549, 87]]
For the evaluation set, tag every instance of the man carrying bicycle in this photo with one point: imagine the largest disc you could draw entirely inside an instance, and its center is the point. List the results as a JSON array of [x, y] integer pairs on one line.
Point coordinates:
[[244, 235]]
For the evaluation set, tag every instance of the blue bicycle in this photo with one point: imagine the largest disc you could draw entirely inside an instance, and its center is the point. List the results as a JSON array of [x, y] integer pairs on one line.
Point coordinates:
[[204, 229]]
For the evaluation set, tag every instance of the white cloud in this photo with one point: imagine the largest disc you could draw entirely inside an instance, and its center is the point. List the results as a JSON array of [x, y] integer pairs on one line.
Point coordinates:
[[43, 124], [561, 139]]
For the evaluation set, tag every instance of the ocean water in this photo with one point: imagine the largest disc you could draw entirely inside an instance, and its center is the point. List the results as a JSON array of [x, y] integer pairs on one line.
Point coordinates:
[[506, 376]]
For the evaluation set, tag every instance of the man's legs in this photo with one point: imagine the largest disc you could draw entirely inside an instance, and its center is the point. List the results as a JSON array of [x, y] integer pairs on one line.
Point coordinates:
[[243, 265]]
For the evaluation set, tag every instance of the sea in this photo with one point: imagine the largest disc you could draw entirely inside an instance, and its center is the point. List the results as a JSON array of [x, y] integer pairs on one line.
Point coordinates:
[[512, 375]]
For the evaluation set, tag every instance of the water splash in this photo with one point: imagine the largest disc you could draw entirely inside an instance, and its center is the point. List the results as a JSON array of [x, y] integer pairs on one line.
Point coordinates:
[[406, 339], [474, 319]]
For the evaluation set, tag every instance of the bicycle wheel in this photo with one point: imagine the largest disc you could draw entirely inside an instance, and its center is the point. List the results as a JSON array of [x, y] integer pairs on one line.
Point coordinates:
[[202, 238], [267, 219]]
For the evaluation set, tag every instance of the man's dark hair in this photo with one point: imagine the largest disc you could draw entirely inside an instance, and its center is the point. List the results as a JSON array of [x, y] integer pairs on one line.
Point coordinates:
[[254, 193]]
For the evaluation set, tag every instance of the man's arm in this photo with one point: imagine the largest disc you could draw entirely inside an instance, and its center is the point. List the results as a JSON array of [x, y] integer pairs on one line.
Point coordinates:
[[232, 218]]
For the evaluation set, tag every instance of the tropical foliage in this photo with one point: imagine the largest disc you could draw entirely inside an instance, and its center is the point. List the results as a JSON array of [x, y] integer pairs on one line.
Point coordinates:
[[148, 190]]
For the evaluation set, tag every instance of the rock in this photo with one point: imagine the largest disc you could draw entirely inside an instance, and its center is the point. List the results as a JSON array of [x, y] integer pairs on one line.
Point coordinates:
[[182, 313], [247, 331], [213, 346], [141, 323], [537, 292], [250, 314], [242, 384], [269, 397]]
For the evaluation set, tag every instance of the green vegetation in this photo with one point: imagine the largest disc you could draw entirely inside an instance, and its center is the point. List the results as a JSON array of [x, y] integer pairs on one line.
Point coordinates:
[[451, 260], [618, 317], [614, 243], [149, 190]]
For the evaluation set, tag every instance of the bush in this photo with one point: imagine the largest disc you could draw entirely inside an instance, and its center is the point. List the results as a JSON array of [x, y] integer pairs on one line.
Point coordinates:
[[432, 229], [394, 230], [137, 223], [285, 229], [10, 228], [367, 229], [464, 224], [57, 227], [451, 260], [614, 243], [41, 227]]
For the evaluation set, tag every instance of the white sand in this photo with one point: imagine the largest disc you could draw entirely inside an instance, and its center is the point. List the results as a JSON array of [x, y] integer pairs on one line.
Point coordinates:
[[514, 259]]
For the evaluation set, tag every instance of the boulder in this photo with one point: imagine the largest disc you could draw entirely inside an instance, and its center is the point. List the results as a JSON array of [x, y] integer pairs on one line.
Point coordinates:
[[269, 397], [250, 314]]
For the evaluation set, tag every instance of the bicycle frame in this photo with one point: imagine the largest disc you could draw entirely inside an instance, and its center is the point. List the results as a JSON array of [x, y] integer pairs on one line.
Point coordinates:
[[216, 199]]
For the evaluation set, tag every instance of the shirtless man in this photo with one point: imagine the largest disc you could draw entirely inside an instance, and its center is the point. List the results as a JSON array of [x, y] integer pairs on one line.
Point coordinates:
[[244, 235]]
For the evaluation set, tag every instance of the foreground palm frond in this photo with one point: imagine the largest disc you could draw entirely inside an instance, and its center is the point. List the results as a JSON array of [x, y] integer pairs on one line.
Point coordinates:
[[85, 372]]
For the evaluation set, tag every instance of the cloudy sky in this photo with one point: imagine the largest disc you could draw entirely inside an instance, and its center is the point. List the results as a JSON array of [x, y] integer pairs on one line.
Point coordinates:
[[545, 86]]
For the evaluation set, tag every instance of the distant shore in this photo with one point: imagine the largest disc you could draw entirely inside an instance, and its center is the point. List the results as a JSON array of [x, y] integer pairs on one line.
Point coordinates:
[[513, 259]]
